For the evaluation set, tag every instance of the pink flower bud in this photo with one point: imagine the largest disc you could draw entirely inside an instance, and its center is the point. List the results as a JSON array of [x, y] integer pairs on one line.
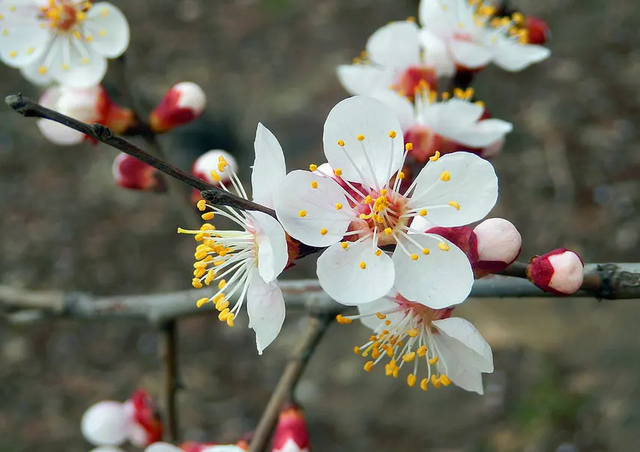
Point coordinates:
[[560, 272], [538, 30], [147, 425], [291, 432], [497, 245], [214, 160], [129, 172], [182, 104]]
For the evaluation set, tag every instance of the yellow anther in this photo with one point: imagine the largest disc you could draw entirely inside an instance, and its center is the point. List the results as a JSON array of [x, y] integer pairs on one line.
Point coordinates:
[[363, 265], [221, 284], [422, 351], [411, 19], [424, 384], [323, 231], [413, 332], [401, 175], [434, 158], [344, 245], [224, 314], [445, 176], [214, 176], [343, 320], [313, 167], [388, 370], [383, 192], [390, 352], [435, 381], [314, 184], [340, 143], [446, 96], [42, 69], [207, 227], [375, 354], [222, 304], [396, 371], [392, 134], [337, 172], [381, 316], [13, 54], [423, 212], [230, 318], [517, 18], [388, 322], [199, 272], [433, 360], [200, 254], [408, 147], [202, 205], [360, 137], [210, 276], [378, 252], [409, 357], [426, 251], [388, 231], [302, 213], [368, 366], [356, 350], [208, 216], [454, 204], [368, 200], [414, 257], [195, 282], [338, 206], [445, 380], [444, 246], [480, 104], [411, 380], [201, 302]]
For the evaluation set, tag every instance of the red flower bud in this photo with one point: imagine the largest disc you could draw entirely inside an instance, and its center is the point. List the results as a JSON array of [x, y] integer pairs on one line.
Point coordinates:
[[560, 272], [497, 245], [147, 425], [291, 432], [538, 30], [129, 172], [182, 104]]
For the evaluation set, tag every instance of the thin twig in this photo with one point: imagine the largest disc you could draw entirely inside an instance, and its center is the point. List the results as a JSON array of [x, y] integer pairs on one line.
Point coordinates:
[[29, 108], [318, 324], [169, 355]]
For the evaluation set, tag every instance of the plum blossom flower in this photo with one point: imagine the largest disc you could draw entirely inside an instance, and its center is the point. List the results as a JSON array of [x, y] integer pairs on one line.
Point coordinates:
[[474, 39], [90, 105], [398, 56], [448, 124], [67, 41], [166, 447], [208, 162], [409, 334], [245, 263], [363, 145]]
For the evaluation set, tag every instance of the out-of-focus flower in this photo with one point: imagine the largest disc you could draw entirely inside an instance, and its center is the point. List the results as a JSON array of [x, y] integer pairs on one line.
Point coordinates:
[[89, 105], [67, 41], [475, 38], [412, 335], [131, 173], [364, 146], [245, 263], [538, 30], [453, 123], [398, 57], [182, 104], [291, 431], [107, 449], [208, 162], [110, 423], [560, 272], [192, 446], [166, 447]]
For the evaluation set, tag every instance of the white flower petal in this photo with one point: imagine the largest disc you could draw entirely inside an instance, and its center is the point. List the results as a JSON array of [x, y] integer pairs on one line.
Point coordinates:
[[435, 53], [162, 447], [471, 55], [32, 74], [434, 17], [295, 195], [512, 56], [438, 279], [266, 310], [107, 449], [76, 64], [268, 168], [466, 342], [108, 28], [461, 374], [395, 45], [272, 245], [381, 305], [342, 277], [401, 106], [484, 133], [364, 79], [22, 40], [59, 134], [228, 448], [105, 424], [473, 185], [369, 117]]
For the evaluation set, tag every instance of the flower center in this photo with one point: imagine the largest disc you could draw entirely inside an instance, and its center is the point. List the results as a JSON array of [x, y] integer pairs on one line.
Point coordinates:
[[383, 212], [411, 79], [62, 15]]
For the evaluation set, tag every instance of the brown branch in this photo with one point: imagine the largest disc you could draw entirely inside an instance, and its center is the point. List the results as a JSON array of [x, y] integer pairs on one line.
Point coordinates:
[[169, 355], [318, 324], [29, 108]]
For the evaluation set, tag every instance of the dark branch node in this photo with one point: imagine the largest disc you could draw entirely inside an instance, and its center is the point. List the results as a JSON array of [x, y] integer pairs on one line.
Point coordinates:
[[219, 197]]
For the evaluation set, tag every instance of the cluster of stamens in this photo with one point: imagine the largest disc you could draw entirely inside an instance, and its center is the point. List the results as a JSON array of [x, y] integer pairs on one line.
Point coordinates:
[[62, 15]]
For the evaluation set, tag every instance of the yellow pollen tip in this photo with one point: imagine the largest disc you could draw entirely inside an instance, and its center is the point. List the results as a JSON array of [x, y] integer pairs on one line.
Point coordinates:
[[381, 316], [343, 320], [409, 357], [221, 284], [202, 205], [392, 134], [214, 176], [337, 172], [445, 380], [340, 143], [230, 318], [422, 351], [201, 302], [388, 231], [195, 282], [363, 265], [302, 213], [425, 251], [408, 147], [444, 246], [314, 184], [387, 322], [208, 216], [434, 158], [313, 167], [338, 206], [368, 366], [413, 332], [414, 257], [224, 314], [368, 200], [445, 176], [424, 384], [356, 350], [344, 245], [433, 360], [378, 252], [323, 231], [360, 137], [454, 204], [401, 175], [411, 380], [423, 212]]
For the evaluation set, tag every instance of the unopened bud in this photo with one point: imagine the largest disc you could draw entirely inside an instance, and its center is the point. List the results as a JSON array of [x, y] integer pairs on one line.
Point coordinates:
[[497, 245], [559, 271], [291, 431], [147, 426], [538, 30], [129, 172], [182, 104], [218, 161], [460, 236], [106, 424]]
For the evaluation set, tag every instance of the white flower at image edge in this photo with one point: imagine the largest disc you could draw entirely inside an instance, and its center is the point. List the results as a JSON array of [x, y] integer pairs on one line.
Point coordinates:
[[66, 41], [472, 41], [245, 263], [166, 447], [363, 143]]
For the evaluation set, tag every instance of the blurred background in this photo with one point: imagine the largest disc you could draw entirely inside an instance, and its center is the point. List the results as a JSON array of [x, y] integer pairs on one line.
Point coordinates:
[[566, 369]]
